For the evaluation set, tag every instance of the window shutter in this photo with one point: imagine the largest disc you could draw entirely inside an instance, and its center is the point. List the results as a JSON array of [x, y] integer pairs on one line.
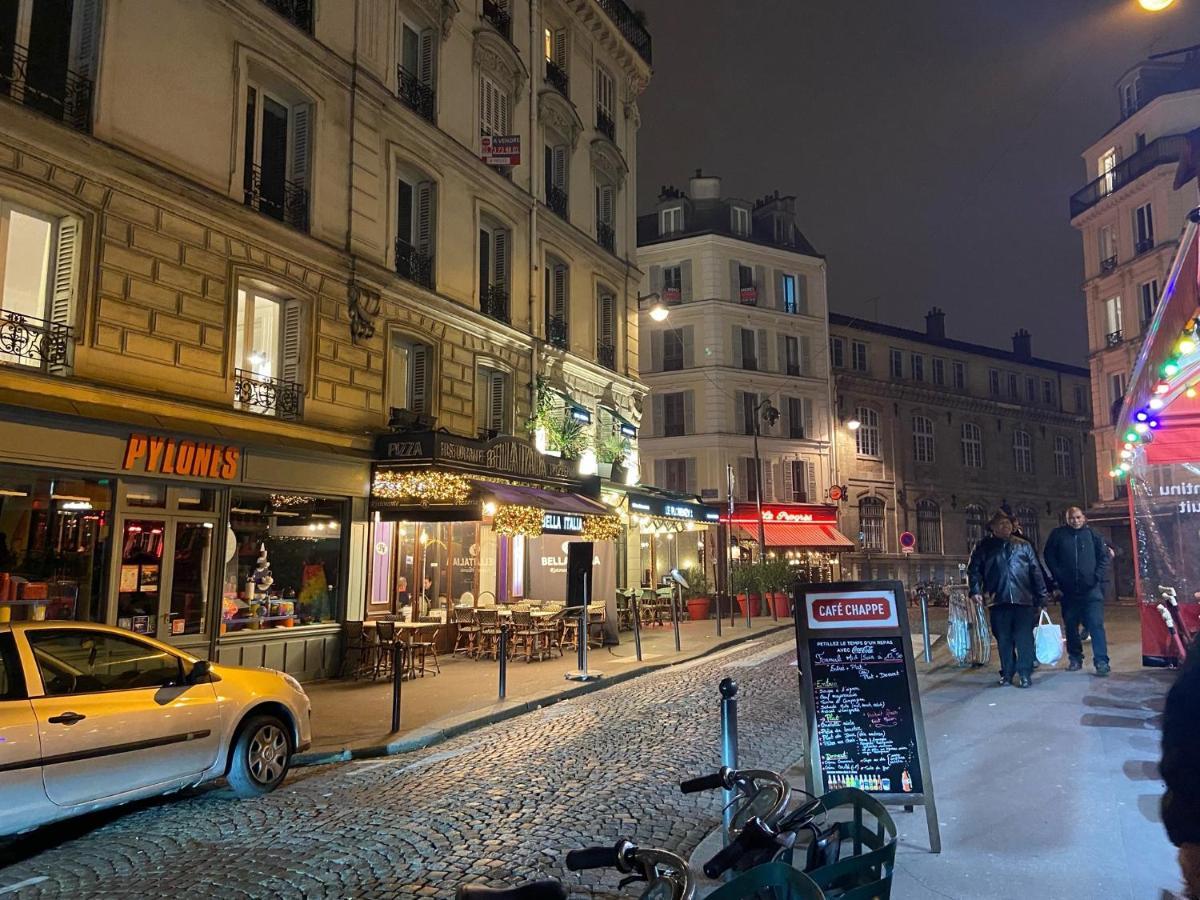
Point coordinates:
[[735, 285], [65, 251], [685, 280], [802, 293], [656, 280], [657, 424], [780, 296], [781, 348], [762, 350], [424, 241], [419, 386], [500, 238], [560, 48], [608, 320], [560, 167], [656, 351], [693, 486], [301, 145], [810, 472], [760, 285], [768, 483], [605, 205], [485, 99], [84, 58], [737, 346], [806, 366], [559, 308], [660, 472], [291, 343], [785, 470], [689, 346], [496, 400], [807, 407], [426, 57], [689, 412]]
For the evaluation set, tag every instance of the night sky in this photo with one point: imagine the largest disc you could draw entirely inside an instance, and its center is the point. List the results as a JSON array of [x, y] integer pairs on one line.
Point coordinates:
[[931, 144]]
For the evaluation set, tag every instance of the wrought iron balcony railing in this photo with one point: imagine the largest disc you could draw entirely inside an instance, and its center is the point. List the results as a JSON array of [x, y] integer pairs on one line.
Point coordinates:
[[630, 25], [1165, 150], [1107, 265], [1143, 246], [499, 18], [33, 342], [286, 201], [606, 236], [267, 396], [556, 331], [557, 78], [606, 355], [414, 265], [54, 90], [1114, 338], [298, 12], [495, 302], [416, 94], [673, 363], [605, 125], [556, 199]]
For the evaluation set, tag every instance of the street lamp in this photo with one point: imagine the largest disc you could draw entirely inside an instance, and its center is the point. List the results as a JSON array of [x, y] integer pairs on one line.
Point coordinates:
[[853, 424], [1155, 5], [770, 415], [658, 311]]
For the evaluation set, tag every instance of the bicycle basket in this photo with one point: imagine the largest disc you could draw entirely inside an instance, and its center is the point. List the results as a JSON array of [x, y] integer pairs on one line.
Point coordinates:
[[770, 881]]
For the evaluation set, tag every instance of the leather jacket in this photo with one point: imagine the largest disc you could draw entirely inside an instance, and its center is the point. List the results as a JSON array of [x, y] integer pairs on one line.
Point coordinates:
[[1007, 572], [1078, 559]]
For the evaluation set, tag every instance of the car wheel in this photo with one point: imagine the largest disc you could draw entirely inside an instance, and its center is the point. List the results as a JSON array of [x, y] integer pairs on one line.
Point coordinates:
[[260, 757]]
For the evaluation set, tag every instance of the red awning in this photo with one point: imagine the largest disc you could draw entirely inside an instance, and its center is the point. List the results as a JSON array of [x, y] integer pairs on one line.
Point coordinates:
[[826, 537]]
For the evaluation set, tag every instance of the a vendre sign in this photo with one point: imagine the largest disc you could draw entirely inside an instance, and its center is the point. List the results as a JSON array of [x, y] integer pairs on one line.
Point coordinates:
[[850, 609]]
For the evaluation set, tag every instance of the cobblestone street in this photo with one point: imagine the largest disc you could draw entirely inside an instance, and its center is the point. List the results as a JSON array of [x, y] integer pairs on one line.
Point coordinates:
[[502, 804]]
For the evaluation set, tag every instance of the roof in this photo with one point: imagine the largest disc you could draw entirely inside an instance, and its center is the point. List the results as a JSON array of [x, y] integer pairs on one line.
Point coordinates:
[[921, 337], [713, 217]]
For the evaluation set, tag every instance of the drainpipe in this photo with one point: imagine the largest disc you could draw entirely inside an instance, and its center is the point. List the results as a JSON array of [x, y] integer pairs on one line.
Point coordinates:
[[535, 9]]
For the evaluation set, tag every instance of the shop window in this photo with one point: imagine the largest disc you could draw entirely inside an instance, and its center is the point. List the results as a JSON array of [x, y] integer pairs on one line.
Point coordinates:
[[268, 353], [286, 570], [493, 401], [54, 533], [410, 365]]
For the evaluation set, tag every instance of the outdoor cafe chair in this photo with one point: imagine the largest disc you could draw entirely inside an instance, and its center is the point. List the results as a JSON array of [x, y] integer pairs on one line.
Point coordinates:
[[467, 639], [489, 633], [357, 650], [550, 629], [425, 649], [385, 645], [527, 639]]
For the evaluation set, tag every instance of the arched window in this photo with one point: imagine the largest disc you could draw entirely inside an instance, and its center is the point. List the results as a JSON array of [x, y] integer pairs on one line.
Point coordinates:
[[1023, 452], [866, 439], [974, 525], [1027, 521], [929, 527], [972, 446], [922, 439], [870, 522], [1064, 457]]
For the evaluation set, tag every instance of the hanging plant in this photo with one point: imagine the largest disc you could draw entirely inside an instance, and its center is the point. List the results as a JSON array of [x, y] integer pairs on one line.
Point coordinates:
[[513, 520], [601, 528], [614, 449], [567, 436]]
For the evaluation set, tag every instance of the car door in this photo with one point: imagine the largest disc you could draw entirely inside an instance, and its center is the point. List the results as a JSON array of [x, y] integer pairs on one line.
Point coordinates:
[[22, 796], [115, 716]]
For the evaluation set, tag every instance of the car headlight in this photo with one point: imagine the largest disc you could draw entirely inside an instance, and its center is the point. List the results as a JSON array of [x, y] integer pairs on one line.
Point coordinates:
[[292, 683]]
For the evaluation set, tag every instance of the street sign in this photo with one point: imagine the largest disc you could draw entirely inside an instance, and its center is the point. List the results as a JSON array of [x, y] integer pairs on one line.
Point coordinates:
[[501, 150], [836, 493], [908, 542]]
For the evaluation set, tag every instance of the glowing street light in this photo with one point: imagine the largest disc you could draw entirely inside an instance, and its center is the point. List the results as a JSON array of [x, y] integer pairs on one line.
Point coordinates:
[[853, 424], [659, 313], [1155, 5]]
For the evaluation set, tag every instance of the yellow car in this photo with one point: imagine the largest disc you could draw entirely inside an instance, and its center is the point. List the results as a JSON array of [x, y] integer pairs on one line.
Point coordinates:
[[93, 716]]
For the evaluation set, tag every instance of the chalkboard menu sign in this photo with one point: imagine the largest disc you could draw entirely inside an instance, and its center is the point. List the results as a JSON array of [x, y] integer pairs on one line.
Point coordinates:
[[858, 685]]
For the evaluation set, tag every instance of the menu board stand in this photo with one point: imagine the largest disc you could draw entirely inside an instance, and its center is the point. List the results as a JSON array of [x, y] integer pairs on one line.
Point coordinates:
[[858, 685]]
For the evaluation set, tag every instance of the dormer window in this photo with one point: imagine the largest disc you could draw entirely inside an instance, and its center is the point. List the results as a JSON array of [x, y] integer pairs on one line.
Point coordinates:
[[1130, 98], [741, 220], [670, 220]]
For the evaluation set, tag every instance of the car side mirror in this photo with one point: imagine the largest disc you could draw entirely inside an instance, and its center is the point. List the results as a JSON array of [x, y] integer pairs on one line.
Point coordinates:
[[200, 670]]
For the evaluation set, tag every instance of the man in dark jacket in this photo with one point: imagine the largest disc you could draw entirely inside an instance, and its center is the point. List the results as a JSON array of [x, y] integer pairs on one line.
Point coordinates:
[[1078, 560], [1006, 571], [1180, 768]]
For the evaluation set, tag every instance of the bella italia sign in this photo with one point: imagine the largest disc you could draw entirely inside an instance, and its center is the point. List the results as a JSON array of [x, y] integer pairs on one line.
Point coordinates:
[[504, 456]]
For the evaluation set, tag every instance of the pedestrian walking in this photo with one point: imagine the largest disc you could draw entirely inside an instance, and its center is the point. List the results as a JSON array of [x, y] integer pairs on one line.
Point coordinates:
[[1005, 571], [1078, 560], [1180, 769]]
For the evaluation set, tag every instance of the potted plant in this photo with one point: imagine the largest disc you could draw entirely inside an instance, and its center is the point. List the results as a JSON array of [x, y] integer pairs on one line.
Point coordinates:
[[699, 602], [611, 456], [746, 582], [777, 575]]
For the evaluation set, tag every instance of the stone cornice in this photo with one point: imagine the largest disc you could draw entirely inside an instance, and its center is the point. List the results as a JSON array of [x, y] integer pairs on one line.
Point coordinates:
[[496, 56], [559, 114]]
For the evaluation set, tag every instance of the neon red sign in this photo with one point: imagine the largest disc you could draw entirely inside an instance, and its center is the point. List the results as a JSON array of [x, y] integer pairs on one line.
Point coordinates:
[[785, 513], [852, 609]]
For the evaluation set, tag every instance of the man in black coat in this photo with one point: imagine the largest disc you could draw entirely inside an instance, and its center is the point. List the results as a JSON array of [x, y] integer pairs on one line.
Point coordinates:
[[1006, 571], [1180, 768], [1078, 560]]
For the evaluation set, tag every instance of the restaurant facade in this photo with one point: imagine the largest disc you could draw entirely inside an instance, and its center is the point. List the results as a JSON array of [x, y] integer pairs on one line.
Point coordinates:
[[805, 535]]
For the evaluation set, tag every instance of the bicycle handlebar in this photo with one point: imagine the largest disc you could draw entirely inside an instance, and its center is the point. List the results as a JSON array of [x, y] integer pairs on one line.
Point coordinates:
[[613, 857], [718, 779], [754, 836]]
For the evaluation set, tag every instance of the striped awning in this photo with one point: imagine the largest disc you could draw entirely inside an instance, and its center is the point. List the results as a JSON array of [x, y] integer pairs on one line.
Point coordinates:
[[825, 537]]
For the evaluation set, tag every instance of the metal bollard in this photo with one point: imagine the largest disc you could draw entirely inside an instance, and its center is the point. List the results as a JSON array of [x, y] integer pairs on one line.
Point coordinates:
[[749, 621], [503, 652], [675, 615], [583, 636], [928, 652], [397, 680], [637, 627], [729, 743], [719, 596]]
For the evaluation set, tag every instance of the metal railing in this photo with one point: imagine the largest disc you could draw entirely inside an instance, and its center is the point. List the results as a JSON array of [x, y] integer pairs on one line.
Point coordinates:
[[606, 236], [1165, 150], [499, 18], [414, 265], [556, 76], [556, 331], [630, 26], [556, 199], [1145, 245], [415, 94], [37, 343], [298, 12], [54, 90], [1114, 338], [267, 396], [606, 355], [286, 201], [494, 302], [1107, 265], [605, 125]]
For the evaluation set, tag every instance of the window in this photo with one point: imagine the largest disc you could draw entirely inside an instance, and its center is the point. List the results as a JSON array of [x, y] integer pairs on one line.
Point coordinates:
[[1049, 393], [415, 208], [1031, 391], [960, 376], [796, 419], [803, 480], [929, 527], [896, 363], [1080, 399], [673, 349], [939, 372], [749, 350], [866, 438], [276, 153], [672, 290], [1130, 98], [557, 306], [993, 382], [1116, 394], [1012, 386], [37, 281], [1148, 293], [555, 162], [87, 662], [837, 353], [675, 474], [1108, 162], [606, 101], [670, 220], [555, 40], [870, 523], [791, 346], [751, 478], [858, 356], [1112, 319], [972, 446], [750, 403], [1107, 236], [787, 289], [1027, 522], [267, 350], [741, 220], [1023, 452], [606, 329], [674, 414], [747, 291], [917, 363], [923, 439], [1143, 228], [494, 244], [495, 108], [1064, 457], [12, 679], [409, 374], [493, 400], [605, 215], [974, 525], [415, 73]]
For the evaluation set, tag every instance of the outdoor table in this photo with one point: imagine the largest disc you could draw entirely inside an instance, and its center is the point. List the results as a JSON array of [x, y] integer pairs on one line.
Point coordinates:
[[408, 631]]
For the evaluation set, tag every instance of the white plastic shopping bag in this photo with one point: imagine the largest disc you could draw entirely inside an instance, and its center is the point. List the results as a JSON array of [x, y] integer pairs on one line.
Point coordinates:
[[1048, 639]]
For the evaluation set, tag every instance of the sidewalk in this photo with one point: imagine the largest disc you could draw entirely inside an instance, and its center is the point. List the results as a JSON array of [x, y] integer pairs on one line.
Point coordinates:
[[352, 718]]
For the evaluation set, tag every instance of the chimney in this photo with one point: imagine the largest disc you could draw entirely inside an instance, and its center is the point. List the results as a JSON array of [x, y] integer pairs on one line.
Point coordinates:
[[704, 187], [1023, 344], [935, 323]]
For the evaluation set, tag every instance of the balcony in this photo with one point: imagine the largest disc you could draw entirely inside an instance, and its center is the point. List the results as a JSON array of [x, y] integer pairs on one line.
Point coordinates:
[[750, 363], [494, 302], [415, 94], [556, 77], [556, 332], [748, 296], [414, 265], [556, 199], [792, 369], [1114, 338], [630, 26], [284, 201], [497, 16], [53, 90], [672, 295], [298, 12], [1145, 245], [1107, 265], [1164, 151], [606, 126], [35, 343], [267, 396], [606, 236], [606, 355]]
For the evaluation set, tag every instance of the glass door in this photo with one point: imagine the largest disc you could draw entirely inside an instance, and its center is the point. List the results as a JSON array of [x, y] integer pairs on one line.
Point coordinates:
[[184, 609], [139, 574]]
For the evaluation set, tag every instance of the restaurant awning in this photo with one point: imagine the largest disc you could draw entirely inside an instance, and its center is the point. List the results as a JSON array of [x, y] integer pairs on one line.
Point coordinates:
[[551, 501], [824, 537]]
